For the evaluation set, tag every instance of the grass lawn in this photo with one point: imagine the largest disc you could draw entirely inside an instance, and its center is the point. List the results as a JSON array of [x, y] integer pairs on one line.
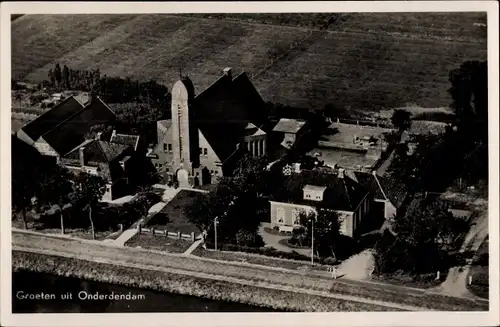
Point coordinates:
[[173, 217], [421, 281], [159, 242], [256, 259], [480, 272]]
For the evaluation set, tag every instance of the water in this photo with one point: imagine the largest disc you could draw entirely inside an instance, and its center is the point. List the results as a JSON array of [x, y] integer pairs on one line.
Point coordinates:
[[53, 288]]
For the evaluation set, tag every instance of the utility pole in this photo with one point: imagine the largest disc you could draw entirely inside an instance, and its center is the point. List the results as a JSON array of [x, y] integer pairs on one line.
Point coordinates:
[[215, 229], [312, 241]]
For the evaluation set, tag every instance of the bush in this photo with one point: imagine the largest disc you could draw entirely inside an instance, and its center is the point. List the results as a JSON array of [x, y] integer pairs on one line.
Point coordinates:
[[330, 261]]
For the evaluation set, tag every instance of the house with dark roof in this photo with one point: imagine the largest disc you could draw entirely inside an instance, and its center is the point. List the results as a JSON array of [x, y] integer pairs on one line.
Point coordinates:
[[290, 131], [337, 192], [209, 132], [113, 162], [388, 193], [62, 128]]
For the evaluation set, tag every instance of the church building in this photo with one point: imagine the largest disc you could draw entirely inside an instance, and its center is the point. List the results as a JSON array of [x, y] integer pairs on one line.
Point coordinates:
[[210, 132]]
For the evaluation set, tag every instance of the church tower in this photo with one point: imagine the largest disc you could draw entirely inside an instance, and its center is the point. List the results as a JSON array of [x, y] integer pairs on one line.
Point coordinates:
[[185, 141]]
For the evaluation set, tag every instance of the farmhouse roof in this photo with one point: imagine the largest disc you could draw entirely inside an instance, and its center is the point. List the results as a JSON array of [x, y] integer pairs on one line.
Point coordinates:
[[287, 125], [71, 132], [126, 139], [50, 119]]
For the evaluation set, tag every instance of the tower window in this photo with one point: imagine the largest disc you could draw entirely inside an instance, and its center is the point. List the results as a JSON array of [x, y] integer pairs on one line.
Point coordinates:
[[205, 151], [164, 147], [169, 147], [201, 150]]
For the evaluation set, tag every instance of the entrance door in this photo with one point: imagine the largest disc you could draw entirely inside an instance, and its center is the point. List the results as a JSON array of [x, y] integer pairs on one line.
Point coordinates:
[[182, 178]]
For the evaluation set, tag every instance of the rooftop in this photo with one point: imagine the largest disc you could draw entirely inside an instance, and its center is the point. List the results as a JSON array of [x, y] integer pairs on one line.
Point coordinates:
[[287, 125]]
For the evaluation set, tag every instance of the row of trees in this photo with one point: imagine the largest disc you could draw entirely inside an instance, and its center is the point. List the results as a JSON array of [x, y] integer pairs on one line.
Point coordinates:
[[111, 89]]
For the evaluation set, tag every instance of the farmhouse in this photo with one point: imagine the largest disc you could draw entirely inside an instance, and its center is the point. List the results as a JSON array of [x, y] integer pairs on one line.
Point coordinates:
[[62, 128], [113, 162], [208, 133], [338, 192], [349, 146]]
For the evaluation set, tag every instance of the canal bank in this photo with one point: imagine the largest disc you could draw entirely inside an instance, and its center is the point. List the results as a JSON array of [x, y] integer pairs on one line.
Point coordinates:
[[249, 294]]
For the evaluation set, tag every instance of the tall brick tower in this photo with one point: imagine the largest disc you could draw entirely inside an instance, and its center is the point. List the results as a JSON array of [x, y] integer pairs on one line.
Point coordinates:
[[185, 141]]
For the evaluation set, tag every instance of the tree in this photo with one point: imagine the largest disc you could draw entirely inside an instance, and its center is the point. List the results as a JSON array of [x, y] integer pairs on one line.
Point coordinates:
[[58, 74], [424, 238], [55, 188], [65, 77], [88, 190], [326, 230], [52, 77], [401, 119]]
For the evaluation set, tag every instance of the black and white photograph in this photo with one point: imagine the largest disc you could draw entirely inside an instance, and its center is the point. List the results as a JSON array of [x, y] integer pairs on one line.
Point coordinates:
[[237, 161]]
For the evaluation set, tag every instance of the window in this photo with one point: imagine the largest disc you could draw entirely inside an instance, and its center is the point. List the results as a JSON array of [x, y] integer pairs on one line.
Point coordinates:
[[108, 188], [169, 147], [308, 196], [205, 151], [201, 150], [164, 147], [318, 197], [167, 170], [211, 172]]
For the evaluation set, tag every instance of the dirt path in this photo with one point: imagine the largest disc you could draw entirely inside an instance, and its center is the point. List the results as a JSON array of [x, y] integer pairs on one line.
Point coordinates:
[[456, 281]]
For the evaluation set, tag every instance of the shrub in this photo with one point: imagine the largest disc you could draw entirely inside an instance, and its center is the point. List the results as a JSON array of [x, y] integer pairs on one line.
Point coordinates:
[[330, 261]]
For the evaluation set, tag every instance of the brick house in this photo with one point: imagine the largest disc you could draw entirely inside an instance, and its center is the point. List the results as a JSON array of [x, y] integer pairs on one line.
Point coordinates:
[[208, 133], [339, 193]]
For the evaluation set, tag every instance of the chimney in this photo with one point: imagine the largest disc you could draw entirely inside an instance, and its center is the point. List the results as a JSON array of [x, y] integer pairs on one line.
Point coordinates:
[[114, 133], [341, 173], [98, 136], [227, 72], [82, 156]]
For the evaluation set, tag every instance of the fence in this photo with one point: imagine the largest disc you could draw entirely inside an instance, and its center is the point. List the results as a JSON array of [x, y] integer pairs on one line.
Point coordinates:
[[164, 232]]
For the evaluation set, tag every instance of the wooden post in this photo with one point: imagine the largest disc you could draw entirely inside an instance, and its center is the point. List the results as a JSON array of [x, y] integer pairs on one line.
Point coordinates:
[[166, 232], [139, 228], [179, 235], [121, 227], [153, 231], [470, 280], [192, 236]]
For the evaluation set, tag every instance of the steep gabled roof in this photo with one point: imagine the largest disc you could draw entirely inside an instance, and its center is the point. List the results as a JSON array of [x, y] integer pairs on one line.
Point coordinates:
[[71, 132], [50, 119], [225, 110]]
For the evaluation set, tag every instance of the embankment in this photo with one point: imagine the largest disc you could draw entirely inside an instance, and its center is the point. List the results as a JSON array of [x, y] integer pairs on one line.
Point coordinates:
[[255, 295]]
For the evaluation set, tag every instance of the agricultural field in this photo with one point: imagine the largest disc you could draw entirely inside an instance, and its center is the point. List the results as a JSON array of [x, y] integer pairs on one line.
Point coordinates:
[[365, 62]]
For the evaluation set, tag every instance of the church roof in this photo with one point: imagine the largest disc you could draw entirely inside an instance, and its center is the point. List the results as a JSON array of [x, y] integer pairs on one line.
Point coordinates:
[[225, 110]]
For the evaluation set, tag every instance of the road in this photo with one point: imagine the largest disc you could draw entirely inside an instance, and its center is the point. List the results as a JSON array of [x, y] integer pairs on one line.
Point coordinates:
[[305, 282]]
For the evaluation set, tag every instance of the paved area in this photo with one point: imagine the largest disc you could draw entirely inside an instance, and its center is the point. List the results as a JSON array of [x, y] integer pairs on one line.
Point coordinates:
[[272, 240], [121, 200], [358, 266]]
